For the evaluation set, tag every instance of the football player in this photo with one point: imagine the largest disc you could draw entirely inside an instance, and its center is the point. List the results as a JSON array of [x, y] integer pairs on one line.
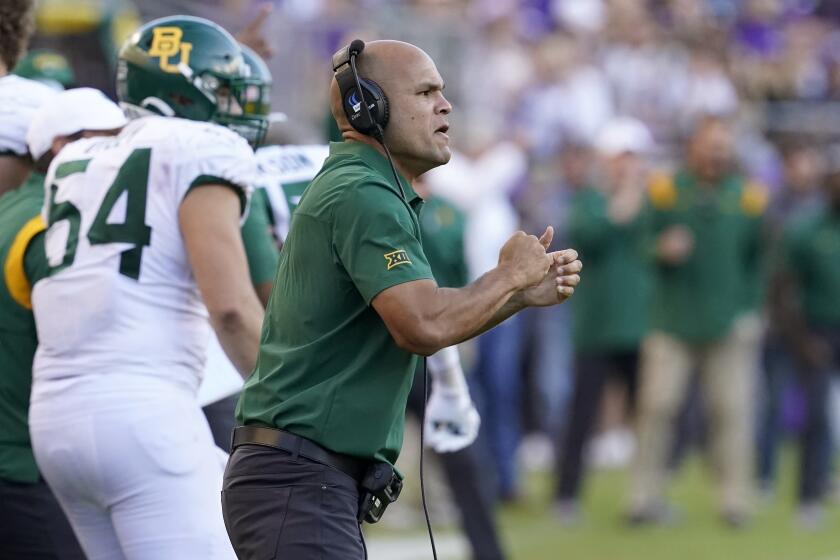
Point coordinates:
[[221, 383], [143, 245]]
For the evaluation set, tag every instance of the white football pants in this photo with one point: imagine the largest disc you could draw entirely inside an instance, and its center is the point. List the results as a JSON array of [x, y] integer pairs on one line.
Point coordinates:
[[133, 464]]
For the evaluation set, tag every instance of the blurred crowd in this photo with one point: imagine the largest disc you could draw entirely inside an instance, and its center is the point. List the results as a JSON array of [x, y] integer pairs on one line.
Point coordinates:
[[685, 148]]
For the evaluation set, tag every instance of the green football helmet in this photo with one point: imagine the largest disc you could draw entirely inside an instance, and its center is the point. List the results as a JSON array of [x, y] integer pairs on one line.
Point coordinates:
[[258, 91], [46, 66], [188, 67]]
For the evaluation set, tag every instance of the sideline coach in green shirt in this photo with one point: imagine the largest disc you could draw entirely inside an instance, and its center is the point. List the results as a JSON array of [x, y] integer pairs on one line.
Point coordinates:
[[706, 220], [354, 302]]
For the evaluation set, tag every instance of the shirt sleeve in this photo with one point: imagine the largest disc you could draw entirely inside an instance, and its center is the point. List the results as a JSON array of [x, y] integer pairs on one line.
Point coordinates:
[[377, 239], [26, 262], [216, 156], [260, 247], [35, 260]]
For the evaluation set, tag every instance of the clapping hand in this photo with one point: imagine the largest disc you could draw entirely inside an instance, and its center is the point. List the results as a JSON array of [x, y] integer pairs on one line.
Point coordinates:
[[563, 276], [523, 257]]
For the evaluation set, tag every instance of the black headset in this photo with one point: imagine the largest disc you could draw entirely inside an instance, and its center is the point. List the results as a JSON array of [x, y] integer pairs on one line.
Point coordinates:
[[368, 115]]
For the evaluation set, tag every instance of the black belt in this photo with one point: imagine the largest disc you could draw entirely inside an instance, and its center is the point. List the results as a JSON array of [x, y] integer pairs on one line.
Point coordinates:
[[296, 445]]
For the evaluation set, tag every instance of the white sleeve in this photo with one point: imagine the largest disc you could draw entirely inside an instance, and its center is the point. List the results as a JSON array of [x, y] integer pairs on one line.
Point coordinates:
[[216, 156], [19, 101], [446, 371]]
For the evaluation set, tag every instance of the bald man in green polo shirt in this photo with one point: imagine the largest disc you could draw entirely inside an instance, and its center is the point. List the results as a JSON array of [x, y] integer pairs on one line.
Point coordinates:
[[354, 303]]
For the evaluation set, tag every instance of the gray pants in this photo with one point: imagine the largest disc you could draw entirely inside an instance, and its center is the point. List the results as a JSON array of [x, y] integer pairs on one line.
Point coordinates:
[[277, 507]]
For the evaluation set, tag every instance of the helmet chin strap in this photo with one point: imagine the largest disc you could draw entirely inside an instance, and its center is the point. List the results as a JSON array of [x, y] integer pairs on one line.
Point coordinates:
[[149, 106]]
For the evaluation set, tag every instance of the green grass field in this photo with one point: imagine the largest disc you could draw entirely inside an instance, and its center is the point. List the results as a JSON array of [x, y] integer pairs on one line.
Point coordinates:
[[532, 533]]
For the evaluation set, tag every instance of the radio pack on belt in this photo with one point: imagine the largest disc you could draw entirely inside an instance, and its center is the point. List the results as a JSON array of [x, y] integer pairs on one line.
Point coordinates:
[[380, 487]]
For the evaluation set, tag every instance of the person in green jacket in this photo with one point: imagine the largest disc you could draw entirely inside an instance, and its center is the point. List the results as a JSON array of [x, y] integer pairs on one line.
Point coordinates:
[[609, 315], [705, 220], [32, 524], [442, 228], [808, 312]]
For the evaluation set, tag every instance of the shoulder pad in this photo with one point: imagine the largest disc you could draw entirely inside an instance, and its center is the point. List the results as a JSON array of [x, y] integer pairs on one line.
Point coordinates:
[[662, 191], [754, 198]]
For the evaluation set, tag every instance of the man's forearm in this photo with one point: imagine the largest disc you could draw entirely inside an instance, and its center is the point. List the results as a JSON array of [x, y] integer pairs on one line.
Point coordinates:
[[459, 314], [239, 334], [512, 306]]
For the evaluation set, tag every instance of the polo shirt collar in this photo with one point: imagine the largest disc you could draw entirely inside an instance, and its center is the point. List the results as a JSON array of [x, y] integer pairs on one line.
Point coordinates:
[[378, 162]]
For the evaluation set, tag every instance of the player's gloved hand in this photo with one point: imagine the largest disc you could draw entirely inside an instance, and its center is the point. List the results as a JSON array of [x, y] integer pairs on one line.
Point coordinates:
[[452, 421]]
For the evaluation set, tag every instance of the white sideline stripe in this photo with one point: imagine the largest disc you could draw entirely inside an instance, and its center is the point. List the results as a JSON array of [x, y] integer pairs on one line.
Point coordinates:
[[449, 547]]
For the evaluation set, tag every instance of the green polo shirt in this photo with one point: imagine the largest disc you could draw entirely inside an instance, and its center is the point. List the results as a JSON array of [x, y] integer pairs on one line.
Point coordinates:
[[699, 299], [610, 309], [442, 226], [22, 263], [812, 254], [328, 369]]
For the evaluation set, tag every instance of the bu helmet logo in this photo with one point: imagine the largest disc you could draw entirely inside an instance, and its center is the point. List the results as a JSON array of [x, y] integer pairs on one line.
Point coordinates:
[[166, 43]]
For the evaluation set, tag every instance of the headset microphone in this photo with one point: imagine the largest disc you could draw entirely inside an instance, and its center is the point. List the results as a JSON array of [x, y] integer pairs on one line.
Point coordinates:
[[356, 46]]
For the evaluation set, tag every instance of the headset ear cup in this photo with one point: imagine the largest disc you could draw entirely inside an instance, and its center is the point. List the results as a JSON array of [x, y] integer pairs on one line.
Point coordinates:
[[381, 112]]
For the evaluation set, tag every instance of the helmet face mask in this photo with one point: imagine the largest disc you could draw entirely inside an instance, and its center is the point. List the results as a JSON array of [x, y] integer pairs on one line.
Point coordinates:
[[190, 68], [255, 95], [243, 106]]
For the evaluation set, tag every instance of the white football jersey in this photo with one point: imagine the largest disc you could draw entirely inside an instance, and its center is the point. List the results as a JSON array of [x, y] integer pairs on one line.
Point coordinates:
[[284, 172], [121, 296], [19, 99]]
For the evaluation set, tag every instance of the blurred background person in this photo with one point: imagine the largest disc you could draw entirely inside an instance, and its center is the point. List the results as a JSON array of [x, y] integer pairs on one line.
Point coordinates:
[[802, 169], [442, 228], [481, 181], [810, 318], [88, 33], [607, 225], [32, 524], [706, 223]]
